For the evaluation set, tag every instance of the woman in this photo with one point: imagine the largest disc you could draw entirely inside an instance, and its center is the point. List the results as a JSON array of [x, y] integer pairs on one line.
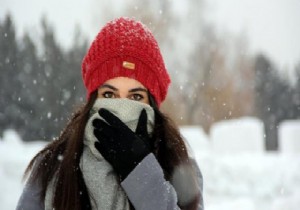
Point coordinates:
[[118, 151]]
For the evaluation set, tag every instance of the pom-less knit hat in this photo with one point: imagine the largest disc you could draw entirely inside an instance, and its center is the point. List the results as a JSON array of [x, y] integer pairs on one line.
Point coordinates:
[[126, 48]]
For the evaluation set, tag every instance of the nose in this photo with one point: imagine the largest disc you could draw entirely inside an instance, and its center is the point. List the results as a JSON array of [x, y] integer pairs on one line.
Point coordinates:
[[123, 94]]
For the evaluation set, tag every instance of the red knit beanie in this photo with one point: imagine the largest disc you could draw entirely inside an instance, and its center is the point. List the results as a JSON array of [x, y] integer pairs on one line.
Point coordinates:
[[126, 48]]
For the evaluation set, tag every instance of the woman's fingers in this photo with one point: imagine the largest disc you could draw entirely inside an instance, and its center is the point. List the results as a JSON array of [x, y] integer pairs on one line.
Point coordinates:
[[111, 118], [102, 129], [98, 123], [141, 128]]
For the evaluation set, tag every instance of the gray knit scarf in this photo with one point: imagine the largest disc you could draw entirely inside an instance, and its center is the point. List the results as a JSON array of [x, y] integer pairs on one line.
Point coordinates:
[[101, 181]]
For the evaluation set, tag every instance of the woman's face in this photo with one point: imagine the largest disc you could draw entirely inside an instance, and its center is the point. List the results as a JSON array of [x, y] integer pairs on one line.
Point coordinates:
[[124, 87]]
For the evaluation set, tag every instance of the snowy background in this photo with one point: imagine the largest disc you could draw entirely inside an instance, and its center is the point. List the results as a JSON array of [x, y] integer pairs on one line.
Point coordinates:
[[242, 57], [238, 173], [250, 17]]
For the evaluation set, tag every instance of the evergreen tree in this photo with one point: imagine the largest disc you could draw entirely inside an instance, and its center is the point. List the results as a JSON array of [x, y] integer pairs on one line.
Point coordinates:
[[38, 93], [29, 73], [10, 84], [296, 95], [276, 99], [60, 81], [74, 56], [264, 93]]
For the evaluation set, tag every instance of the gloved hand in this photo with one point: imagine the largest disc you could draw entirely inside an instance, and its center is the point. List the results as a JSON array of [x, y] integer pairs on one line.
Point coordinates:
[[119, 145]]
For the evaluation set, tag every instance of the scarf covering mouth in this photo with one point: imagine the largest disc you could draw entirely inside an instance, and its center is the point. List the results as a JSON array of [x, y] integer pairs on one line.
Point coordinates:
[[102, 183], [100, 178], [128, 111]]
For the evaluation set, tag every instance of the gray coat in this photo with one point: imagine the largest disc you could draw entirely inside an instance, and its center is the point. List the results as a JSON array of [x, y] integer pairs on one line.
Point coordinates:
[[145, 187]]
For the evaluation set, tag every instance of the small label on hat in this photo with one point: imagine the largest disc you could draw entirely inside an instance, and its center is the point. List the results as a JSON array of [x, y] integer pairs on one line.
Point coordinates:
[[128, 65]]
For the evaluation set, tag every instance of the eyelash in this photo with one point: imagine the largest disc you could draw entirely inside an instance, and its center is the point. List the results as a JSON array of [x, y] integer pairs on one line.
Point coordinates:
[[135, 96], [108, 92]]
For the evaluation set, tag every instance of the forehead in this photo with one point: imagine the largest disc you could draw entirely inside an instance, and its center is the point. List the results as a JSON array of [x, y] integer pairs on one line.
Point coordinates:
[[124, 82]]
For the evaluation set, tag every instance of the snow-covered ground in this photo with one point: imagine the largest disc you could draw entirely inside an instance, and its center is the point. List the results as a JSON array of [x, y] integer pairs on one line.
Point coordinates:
[[14, 157], [238, 174]]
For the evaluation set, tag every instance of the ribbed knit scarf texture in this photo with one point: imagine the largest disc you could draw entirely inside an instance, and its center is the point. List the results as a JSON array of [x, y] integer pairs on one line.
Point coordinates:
[[101, 181]]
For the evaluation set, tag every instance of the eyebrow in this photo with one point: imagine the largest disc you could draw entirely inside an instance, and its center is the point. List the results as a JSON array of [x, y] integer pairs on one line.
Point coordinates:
[[138, 89], [116, 89], [108, 86]]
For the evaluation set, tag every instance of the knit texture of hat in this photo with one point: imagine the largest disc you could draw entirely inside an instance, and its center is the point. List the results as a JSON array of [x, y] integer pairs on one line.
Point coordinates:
[[126, 48]]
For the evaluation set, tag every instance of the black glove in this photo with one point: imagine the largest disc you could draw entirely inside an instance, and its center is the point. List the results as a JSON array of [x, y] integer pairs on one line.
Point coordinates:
[[119, 145]]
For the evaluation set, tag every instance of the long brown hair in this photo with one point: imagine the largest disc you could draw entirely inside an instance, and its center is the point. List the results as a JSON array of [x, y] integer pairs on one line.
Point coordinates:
[[60, 159]]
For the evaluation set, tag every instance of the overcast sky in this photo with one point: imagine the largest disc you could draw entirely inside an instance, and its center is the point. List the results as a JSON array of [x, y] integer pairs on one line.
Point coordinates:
[[271, 26]]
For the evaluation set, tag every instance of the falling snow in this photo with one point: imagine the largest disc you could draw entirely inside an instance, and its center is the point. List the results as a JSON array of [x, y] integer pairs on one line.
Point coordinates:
[[244, 180]]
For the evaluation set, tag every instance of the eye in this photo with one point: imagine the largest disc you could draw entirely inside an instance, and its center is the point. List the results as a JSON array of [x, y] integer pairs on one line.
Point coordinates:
[[108, 94], [136, 97]]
